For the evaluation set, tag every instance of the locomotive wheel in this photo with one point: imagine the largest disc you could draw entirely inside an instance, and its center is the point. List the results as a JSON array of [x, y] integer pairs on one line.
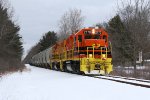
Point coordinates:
[[78, 67], [58, 66], [74, 67], [64, 67], [70, 69], [81, 73], [53, 66], [72, 64], [48, 66]]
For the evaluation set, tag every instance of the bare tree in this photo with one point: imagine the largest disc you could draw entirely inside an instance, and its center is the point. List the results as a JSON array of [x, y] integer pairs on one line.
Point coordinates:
[[64, 27], [70, 22], [136, 18]]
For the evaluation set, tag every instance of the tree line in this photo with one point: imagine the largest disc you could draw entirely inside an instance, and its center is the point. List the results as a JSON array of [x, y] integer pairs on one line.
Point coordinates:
[[47, 40], [11, 49], [130, 32]]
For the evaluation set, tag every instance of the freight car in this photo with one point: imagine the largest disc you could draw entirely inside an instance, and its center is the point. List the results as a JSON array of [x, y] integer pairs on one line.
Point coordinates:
[[87, 51]]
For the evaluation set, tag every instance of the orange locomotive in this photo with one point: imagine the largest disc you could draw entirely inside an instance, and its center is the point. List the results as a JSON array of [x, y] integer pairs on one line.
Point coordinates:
[[88, 51]]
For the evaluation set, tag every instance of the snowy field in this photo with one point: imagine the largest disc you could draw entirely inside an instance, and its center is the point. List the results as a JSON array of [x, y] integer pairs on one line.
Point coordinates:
[[44, 84]]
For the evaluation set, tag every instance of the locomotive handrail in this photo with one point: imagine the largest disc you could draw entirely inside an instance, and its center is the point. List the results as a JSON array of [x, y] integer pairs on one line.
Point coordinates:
[[88, 52], [78, 46], [105, 52], [93, 46], [70, 53]]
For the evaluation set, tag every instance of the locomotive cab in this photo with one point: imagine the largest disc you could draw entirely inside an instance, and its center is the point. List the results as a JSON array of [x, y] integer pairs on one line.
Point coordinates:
[[93, 51]]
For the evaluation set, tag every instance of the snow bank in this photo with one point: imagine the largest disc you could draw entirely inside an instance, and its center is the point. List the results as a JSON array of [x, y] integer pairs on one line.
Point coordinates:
[[44, 84]]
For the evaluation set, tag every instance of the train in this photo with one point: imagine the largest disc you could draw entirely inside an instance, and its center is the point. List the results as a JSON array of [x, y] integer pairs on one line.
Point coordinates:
[[88, 51]]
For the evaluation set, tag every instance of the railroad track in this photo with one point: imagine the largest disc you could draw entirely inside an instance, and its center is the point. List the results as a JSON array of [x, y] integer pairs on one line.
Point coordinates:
[[128, 78], [131, 81]]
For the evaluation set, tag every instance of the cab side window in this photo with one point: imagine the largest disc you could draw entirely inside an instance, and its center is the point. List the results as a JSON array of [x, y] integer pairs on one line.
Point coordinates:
[[80, 38]]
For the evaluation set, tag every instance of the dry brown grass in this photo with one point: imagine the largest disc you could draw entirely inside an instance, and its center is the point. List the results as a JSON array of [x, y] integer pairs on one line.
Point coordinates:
[[127, 72], [13, 69]]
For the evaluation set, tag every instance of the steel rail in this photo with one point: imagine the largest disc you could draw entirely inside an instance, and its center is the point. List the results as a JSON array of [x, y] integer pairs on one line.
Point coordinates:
[[127, 78], [121, 81]]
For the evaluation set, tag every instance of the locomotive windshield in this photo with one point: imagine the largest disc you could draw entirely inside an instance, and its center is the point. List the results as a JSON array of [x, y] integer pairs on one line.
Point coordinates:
[[90, 36]]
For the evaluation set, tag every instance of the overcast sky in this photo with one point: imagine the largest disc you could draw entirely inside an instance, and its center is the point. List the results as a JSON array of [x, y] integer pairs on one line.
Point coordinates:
[[37, 17]]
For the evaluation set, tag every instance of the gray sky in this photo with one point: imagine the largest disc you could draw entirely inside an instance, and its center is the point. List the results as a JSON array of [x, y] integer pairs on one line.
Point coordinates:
[[37, 17]]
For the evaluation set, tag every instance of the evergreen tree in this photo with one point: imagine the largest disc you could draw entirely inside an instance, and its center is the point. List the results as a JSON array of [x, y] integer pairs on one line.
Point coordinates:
[[120, 39], [48, 40], [10, 41], [45, 42], [33, 51]]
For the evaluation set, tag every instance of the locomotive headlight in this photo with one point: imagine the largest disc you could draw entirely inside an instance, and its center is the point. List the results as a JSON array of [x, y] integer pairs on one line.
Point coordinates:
[[103, 56], [90, 55], [93, 31]]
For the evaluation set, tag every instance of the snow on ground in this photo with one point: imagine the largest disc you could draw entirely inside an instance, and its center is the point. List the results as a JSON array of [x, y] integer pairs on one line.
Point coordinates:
[[44, 84]]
